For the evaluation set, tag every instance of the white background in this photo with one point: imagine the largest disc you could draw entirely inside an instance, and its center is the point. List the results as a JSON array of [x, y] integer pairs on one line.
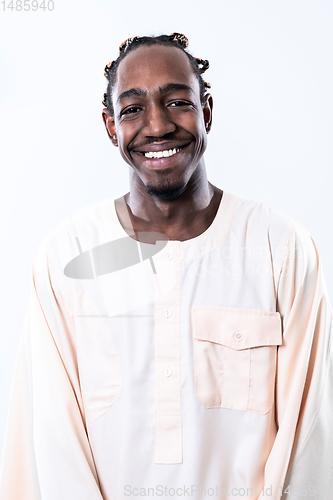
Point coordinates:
[[272, 79]]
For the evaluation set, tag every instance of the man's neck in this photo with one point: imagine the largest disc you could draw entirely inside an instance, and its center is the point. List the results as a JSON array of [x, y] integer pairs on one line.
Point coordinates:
[[180, 219]]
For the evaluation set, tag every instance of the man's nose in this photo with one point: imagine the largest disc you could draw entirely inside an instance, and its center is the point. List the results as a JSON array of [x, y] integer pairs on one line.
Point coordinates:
[[158, 122]]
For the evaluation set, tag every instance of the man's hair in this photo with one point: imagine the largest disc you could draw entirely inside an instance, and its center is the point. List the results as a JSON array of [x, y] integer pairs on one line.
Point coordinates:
[[177, 40]]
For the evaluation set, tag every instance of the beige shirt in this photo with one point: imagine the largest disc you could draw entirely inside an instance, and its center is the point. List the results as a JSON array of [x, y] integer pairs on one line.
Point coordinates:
[[199, 369]]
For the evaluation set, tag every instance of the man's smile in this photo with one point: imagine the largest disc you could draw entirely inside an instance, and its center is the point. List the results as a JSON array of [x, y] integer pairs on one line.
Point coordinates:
[[167, 147], [160, 156]]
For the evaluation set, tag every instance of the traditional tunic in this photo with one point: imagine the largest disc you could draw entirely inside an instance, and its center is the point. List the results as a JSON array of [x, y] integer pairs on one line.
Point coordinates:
[[198, 368]]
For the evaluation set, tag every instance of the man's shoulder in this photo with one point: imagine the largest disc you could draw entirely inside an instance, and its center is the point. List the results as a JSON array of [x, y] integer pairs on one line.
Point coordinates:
[[259, 218], [86, 227], [251, 211], [252, 208], [97, 215]]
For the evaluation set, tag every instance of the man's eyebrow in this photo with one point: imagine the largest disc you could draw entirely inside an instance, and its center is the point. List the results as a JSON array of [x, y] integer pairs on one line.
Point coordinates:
[[132, 92], [169, 87]]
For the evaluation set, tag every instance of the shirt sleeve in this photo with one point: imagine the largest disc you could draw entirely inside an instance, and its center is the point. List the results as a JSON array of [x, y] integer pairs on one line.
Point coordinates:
[[47, 453], [300, 464]]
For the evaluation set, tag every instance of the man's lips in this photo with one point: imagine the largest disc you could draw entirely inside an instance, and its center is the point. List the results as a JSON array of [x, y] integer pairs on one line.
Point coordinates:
[[163, 162], [157, 151]]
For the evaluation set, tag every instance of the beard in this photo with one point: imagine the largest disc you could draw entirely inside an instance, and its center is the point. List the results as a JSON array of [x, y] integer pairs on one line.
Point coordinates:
[[166, 191]]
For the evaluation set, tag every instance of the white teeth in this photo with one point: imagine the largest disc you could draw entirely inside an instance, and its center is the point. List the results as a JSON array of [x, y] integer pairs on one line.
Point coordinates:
[[162, 154]]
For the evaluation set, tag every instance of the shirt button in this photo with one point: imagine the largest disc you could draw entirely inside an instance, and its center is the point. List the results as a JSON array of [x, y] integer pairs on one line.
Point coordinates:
[[167, 313], [238, 336], [168, 372], [168, 255]]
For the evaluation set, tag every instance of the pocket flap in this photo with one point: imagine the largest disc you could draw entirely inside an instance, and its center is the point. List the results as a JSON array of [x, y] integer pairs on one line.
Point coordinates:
[[237, 328]]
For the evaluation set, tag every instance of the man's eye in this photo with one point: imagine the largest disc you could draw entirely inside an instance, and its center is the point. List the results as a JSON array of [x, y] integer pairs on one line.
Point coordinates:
[[178, 103], [130, 111]]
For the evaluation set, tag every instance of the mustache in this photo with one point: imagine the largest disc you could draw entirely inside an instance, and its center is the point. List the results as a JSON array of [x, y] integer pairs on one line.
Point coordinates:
[[168, 137]]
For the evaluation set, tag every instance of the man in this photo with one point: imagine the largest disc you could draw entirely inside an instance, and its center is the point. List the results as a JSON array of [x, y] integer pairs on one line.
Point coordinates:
[[178, 338]]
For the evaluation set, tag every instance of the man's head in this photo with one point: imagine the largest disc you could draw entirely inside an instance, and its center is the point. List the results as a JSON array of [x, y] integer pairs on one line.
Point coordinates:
[[158, 112]]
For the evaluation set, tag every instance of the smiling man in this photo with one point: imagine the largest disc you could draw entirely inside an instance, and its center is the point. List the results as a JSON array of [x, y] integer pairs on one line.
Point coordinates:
[[159, 120], [178, 338]]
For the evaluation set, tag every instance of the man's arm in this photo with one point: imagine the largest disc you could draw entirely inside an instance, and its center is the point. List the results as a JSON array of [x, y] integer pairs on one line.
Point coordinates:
[[47, 453], [301, 462]]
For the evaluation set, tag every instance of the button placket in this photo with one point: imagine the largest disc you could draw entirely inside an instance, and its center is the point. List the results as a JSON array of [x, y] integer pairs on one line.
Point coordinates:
[[168, 416]]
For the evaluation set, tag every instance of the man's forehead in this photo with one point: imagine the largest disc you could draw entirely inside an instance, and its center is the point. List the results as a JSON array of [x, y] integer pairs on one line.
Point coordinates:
[[153, 67]]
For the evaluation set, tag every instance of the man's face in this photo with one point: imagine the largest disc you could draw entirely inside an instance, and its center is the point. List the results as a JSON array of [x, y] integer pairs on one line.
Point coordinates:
[[159, 122]]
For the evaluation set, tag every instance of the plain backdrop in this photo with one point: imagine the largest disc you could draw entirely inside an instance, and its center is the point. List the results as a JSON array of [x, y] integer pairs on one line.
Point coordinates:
[[272, 78]]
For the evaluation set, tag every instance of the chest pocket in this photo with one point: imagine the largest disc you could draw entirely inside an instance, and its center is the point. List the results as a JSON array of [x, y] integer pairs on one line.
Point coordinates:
[[235, 357]]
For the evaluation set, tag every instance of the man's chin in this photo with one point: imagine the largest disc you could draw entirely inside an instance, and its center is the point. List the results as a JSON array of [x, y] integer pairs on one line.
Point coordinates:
[[166, 192]]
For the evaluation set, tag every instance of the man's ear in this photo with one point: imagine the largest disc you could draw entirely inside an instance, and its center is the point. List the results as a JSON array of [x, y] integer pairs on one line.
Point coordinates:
[[110, 126], [207, 109]]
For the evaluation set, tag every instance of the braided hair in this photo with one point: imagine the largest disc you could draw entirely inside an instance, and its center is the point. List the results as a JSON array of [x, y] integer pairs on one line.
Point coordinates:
[[177, 40]]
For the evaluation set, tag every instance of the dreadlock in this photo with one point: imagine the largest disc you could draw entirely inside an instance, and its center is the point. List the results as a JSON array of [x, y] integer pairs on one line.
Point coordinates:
[[177, 40]]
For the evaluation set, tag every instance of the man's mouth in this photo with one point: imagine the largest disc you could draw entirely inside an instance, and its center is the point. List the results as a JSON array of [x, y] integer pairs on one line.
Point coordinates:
[[159, 151], [162, 154]]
